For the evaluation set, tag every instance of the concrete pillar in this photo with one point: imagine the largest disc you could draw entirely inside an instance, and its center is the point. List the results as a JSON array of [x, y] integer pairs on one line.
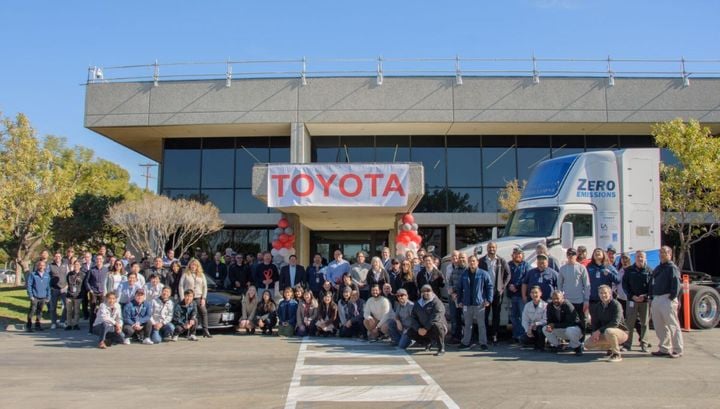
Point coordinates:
[[299, 143], [450, 239]]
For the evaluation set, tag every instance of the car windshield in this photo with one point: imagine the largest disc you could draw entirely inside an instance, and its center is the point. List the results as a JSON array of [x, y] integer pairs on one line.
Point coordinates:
[[210, 281], [532, 222]]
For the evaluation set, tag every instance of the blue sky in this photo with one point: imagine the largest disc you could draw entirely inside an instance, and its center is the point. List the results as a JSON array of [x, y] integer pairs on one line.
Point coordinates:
[[48, 45]]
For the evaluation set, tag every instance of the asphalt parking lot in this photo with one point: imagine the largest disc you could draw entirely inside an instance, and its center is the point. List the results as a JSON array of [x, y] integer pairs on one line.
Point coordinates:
[[63, 369]]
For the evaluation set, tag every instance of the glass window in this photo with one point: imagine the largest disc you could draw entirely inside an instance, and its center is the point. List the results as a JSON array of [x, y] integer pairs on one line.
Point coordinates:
[[359, 148], [191, 194], [434, 200], [601, 142], [464, 158], [222, 198], [280, 149], [434, 236], [218, 168], [567, 145], [464, 200], [391, 148], [532, 222], [471, 235], [326, 149], [181, 168], [636, 141], [245, 202], [531, 151], [582, 224], [498, 160], [430, 151], [490, 200], [248, 152]]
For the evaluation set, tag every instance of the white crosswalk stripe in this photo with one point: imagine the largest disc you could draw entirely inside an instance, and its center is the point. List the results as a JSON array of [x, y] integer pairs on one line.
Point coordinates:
[[342, 350]]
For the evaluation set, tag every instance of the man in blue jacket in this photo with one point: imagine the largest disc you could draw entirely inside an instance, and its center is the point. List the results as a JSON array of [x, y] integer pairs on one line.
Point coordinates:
[[474, 293], [38, 289], [136, 318]]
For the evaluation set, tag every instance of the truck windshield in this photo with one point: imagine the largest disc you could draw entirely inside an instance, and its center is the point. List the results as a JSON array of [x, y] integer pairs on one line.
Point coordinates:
[[532, 222]]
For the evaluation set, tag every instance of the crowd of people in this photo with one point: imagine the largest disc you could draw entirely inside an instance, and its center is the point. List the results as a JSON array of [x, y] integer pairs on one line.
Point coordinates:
[[581, 303]]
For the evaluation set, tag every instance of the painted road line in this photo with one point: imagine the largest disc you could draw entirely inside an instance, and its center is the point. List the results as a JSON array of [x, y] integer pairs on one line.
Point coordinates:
[[430, 391]]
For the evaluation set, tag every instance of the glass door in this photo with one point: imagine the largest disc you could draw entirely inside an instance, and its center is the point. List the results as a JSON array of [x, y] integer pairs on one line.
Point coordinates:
[[349, 242]]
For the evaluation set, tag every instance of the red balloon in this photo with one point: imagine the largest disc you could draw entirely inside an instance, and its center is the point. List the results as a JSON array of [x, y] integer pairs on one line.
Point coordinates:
[[291, 238], [404, 238], [288, 245], [283, 223], [277, 245], [408, 218], [417, 239], [283, 238]]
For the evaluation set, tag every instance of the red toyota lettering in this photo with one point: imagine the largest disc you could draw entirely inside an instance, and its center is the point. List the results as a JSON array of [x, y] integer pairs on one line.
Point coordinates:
[[393, 185], [281, 183], [358, 185], [373, 180], [295, 185], [326, 183]]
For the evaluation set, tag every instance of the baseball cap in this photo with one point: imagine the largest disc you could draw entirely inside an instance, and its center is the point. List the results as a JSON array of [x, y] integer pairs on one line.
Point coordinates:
[[402, 291], [541, 257], [140, 291], [611, 248], [517, 250], [571, 252]]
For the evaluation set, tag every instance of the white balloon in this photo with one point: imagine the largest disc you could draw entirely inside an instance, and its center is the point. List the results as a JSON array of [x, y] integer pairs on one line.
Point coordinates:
[[414, 226], [283, 252], [406, 227], [278, 231], [277, 259], [275, 237], [291, 251], [289, 231], [274, 252], [413, 246]]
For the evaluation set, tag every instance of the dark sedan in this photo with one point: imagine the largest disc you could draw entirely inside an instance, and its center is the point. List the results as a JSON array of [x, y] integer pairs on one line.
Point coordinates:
[[223, 306]]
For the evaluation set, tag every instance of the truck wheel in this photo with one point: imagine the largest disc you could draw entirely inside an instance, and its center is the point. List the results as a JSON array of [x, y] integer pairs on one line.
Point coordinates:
[[705, 307]]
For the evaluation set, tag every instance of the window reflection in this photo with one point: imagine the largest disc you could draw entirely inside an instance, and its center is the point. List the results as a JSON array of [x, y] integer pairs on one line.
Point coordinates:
[[490, 200], [180, 168], [464, 200], [218, 168], [434, 236], [222, 198], [471, 235], [245, 202]]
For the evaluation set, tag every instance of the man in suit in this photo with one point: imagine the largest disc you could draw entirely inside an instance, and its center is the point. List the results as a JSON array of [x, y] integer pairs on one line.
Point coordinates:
[[293, 274], [499, 272]]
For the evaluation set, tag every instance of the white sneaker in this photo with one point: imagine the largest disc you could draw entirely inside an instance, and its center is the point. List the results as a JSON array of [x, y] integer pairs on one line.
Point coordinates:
[[192, 338], [63, 325], [148, 341], [53, 326], [126, 341], [174, 338]]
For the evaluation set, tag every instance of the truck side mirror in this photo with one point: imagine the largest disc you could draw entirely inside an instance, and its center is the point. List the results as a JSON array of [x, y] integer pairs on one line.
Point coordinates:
[[567, 235], [494, 234]]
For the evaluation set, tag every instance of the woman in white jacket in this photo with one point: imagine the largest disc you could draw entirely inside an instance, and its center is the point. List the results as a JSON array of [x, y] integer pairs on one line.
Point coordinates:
[[194, 279], [534, 318]]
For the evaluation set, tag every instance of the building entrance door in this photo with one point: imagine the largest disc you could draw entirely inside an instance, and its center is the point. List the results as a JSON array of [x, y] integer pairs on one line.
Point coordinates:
[[349, 242]]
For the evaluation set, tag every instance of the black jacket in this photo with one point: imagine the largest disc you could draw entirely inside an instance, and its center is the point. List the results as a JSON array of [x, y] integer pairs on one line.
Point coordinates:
[[665, 280], [568, 315], [384, 278], [501, 275], [636, 281], [218, 272], [435, 280], [240, 274], [433, 312], [606, 316], [300, 277]]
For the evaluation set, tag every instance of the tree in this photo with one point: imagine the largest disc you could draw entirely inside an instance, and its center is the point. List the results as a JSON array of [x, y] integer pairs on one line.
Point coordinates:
[[690, 192], [510, 195], [151, 222], [36, 186], [102, 185]]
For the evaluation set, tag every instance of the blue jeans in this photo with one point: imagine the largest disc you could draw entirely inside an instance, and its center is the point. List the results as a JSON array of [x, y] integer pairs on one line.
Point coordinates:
[[516, 310], [165, 332], [56, 295], [401, 338]]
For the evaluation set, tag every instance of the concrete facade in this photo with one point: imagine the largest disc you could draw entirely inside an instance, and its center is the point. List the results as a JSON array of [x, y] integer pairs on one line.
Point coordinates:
[[140, 115]]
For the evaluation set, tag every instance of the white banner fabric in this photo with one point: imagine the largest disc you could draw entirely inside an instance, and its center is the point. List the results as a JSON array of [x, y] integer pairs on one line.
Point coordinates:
[[341, 185]]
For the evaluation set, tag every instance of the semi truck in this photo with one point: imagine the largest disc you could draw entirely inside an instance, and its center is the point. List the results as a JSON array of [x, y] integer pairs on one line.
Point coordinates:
[[596, 199]]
